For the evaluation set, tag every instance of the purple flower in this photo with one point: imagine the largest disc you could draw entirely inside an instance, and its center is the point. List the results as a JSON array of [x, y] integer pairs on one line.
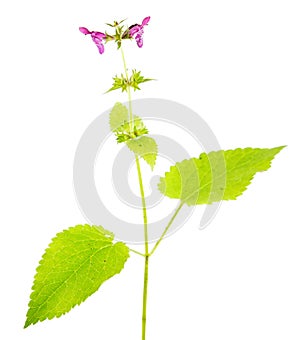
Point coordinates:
[[97, 38], [137, 31]]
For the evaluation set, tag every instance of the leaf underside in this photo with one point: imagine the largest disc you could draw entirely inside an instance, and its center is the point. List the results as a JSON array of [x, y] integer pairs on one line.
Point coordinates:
[[218, 175], [144, 147], [73, 267]]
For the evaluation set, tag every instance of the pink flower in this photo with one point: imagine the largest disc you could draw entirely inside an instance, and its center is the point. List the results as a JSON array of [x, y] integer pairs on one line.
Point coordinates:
[[97, 38], [137, 31]]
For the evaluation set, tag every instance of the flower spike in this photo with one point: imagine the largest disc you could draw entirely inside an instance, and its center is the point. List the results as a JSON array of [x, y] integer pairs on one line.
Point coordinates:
[[97, 38], [137, 31]]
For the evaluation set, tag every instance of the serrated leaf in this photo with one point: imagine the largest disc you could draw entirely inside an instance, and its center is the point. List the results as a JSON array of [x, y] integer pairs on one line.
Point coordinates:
[[118, 116], [144, 147], [73, 267], [218, 175]]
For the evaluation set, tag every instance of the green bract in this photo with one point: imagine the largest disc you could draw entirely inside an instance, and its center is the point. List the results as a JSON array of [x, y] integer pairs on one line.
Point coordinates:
[[74, 266], [122, 82], [216, 176], [122, 127]]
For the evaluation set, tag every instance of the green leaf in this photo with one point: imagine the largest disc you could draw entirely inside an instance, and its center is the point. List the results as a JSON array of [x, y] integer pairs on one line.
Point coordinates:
[[118, 116], [218, 175], [72, 268], [144, 147]]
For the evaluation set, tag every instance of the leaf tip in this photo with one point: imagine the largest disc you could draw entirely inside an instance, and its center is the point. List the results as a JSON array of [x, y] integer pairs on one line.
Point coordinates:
[[281, 147], [30, 320], [27, 324]]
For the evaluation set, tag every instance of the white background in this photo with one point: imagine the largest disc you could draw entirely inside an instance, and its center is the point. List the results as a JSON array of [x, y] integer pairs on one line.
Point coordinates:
[[236, 63]]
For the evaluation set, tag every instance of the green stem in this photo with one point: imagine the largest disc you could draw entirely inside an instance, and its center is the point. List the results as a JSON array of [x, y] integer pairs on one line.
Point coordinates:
[[130, 117], [144, 316], [167, 228], [124, 62], [143, 204], [146, 268], [137, 252], [146, 255]]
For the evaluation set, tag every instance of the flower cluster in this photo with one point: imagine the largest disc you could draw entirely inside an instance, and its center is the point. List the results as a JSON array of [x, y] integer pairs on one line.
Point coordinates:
[[125, 132], [138, 31], [135, 31]]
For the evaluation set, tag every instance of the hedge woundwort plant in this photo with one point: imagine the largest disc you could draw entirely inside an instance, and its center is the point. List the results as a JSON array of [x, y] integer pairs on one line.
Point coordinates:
[[81, 258]]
